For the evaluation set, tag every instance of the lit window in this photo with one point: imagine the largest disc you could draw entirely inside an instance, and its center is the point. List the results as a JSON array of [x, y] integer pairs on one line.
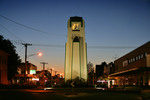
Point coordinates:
[[141, 55], [125, 63], [75, 26], [133, 59], [145, 54], [129, 61], [136, 58]]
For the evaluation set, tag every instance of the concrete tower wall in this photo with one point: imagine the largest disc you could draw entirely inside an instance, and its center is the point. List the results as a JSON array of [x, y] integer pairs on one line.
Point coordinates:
[[75, 53]]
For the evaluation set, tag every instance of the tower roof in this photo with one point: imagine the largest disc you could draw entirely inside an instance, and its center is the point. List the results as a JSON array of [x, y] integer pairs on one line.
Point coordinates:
[[76, 18]]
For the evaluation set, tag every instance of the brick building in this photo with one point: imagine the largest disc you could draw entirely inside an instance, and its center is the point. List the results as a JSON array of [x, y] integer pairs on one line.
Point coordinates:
[[3, 67], [133, 68]]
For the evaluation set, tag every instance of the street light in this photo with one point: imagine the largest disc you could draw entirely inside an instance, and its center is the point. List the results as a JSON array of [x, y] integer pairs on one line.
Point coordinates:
[[61, 75], [39, 54]]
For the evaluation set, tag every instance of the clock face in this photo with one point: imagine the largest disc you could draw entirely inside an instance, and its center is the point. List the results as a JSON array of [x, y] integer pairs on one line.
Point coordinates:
[[75, 27]]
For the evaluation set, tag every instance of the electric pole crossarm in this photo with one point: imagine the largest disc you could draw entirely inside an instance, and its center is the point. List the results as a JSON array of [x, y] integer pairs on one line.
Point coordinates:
[[44, 65]]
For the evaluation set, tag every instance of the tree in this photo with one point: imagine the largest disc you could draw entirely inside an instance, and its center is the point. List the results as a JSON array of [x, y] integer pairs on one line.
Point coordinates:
[[90, 73], [13, 60], [90, 67]]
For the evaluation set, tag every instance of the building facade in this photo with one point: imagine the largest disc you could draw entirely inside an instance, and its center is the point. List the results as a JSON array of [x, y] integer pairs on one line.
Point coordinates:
[[133, 68], [76, 51], [30, 73], [3, 67]]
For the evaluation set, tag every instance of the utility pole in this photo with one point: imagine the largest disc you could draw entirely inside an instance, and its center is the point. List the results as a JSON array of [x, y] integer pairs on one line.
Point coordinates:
[[25, 68], [43, 73], [44, 65], [55, 72], [51, 76]]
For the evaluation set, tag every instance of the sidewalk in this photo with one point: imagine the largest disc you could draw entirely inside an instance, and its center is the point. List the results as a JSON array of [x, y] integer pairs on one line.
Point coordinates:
[[145, 94]]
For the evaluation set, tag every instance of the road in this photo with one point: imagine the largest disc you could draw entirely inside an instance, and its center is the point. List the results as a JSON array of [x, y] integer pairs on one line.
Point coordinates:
[[65, 94]]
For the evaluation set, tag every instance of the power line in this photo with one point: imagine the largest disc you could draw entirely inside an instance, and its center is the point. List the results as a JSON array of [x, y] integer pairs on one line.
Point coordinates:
[[48, 45], [62, 46], [9, 32], [5, 34], [111, 47], [90, 47], [20, 49], [30, 27]]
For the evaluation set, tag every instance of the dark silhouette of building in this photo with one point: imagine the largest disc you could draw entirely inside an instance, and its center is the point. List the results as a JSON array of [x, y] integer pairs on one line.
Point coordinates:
[[100, 70]]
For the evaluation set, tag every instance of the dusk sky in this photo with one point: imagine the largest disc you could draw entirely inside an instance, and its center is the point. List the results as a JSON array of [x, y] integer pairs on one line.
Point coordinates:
[[108, 23]]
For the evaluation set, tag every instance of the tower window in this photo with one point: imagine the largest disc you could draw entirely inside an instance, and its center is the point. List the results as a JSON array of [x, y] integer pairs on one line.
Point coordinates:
[[76, 39]]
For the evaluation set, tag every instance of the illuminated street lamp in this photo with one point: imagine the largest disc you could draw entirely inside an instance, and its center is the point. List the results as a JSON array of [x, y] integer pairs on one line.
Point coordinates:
[[39, 54], [61, 75]]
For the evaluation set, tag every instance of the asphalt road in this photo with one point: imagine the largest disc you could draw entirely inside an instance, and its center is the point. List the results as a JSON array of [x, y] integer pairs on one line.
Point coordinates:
[[65, 94]]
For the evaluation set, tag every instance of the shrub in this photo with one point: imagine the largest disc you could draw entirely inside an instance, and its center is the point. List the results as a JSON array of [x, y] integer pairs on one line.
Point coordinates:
[[132, 88], [77, 82], [119, 87]]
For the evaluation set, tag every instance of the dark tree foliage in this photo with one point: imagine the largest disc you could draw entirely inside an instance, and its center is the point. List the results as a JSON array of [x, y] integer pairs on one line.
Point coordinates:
[[13, 58]]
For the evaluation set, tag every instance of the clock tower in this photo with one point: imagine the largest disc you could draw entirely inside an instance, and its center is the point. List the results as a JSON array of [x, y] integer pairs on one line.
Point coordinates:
[[76, 50]]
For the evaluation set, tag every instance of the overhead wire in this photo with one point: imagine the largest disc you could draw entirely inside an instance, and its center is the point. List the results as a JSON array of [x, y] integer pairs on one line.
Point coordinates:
[[19, 42], [9, 32], [30, 27], [111, 47], [90, 47], [62, 46], [49, 45], [4, 33]]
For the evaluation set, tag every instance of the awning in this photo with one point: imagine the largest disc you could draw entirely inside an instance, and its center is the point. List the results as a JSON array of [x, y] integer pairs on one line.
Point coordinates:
[[131, 71], [121, 72]]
